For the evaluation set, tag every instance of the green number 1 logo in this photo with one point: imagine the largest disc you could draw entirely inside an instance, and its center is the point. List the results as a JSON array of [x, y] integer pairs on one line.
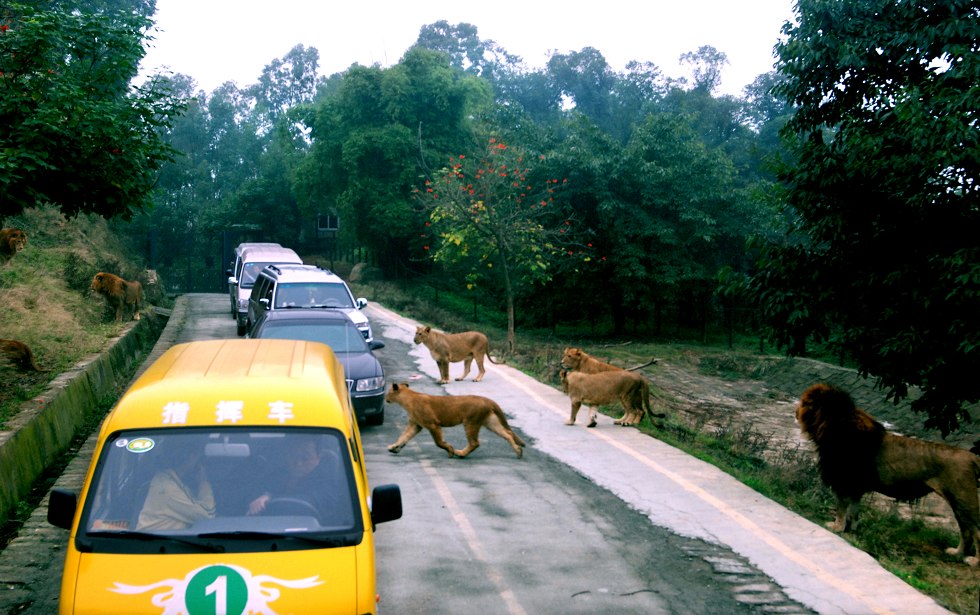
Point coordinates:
[[216, 590]]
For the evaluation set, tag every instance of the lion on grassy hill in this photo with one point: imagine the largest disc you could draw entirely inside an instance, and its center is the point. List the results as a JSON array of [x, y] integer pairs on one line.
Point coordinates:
[[857, 455], [607, 387], [433, 412], [118, 293], [449, 348], [19, 355], [12, 241]]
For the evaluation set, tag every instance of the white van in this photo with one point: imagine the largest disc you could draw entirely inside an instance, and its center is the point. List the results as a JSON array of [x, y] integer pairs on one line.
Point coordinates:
[[252, 262], [235, 269]]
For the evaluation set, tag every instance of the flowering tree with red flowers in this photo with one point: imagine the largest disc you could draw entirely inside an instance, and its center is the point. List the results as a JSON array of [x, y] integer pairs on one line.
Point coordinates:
[[488, 213]]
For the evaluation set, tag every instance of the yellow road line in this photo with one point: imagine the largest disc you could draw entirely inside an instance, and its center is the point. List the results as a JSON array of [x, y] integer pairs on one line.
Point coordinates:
[[469, 534], [718, 504]]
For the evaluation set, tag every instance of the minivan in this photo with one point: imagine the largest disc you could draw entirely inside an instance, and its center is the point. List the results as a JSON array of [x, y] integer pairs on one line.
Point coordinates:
[[291, 287], [229, 478], [252, 262], [234, 270]]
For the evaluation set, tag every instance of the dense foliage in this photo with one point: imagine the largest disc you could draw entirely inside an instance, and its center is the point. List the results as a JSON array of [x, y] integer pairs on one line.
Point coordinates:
[[883, 259], [74, 131]]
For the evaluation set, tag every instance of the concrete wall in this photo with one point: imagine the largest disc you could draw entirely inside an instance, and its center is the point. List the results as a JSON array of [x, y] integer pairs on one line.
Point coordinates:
[[45, 426]]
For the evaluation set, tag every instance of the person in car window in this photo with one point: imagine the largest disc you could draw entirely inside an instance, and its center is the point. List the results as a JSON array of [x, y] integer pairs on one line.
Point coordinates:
[[179, 495], [301, 487]]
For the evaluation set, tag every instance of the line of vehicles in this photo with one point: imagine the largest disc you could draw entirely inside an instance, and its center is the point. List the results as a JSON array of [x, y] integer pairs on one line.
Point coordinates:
[[273, 294], [230, 477]]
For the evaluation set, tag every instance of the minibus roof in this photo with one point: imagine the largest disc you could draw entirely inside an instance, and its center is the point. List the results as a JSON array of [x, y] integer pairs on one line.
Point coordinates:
[[238, 382]]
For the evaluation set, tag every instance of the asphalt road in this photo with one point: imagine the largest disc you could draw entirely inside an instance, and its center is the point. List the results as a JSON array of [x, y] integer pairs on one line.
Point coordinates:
[[602, 520]]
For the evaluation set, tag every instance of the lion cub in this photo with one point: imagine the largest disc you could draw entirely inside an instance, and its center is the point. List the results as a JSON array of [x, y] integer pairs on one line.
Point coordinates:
[[449, 348], [434, 412]]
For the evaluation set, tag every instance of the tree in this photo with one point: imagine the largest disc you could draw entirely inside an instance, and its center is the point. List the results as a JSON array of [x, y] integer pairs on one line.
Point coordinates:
[[882, 258], [73, 130], [585, 77], [287, 82], [707, 64], [487, 212]]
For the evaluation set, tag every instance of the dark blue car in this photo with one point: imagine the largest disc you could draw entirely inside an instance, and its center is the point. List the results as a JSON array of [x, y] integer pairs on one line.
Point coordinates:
[[365, 376]]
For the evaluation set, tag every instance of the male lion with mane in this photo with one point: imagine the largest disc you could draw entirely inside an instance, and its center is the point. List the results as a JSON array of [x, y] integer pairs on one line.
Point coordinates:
[[118, 293], [12, 241], [857, 455], [607, 387], [449, 348], [433, 412]]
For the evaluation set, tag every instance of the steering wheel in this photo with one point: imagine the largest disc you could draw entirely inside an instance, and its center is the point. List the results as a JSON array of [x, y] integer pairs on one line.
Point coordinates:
[[290, 506]]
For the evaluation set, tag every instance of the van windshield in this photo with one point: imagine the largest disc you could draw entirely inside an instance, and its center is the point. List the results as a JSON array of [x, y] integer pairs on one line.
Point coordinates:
[[313, 295], [232, 489], [250, 271]]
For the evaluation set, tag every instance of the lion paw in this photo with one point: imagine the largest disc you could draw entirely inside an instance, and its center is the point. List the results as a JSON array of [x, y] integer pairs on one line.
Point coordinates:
[[592, 423], [569, 422], [394, 449]]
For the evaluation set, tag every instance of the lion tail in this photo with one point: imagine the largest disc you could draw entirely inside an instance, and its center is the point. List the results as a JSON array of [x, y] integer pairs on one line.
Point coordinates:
[[647, 408], [490, 358], [497, 410]]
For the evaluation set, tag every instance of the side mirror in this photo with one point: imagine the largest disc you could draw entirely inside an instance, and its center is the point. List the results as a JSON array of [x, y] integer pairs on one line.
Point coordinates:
[[386, 503], [376, 345], [61, 508], [361, 303], [231, 278]]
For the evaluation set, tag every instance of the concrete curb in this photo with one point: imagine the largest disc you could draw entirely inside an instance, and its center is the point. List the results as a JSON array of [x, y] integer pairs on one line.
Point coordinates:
[[45, 426]]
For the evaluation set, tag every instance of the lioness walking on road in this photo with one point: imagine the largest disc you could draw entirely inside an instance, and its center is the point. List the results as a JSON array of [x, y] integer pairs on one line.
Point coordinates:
[[449, 348], [433, 412]]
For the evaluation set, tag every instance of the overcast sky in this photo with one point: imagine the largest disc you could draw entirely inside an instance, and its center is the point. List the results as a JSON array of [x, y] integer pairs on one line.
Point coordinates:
[[214, 41]]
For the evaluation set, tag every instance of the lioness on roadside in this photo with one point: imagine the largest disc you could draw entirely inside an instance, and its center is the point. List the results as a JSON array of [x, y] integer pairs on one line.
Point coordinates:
[[12, 241], [628, 388], [857, 455], [577, 360], [449, 348], [118, 293], [433, 412]]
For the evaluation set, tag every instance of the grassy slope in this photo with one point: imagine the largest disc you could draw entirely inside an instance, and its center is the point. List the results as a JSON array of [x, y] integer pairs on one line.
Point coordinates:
[[44, 298]]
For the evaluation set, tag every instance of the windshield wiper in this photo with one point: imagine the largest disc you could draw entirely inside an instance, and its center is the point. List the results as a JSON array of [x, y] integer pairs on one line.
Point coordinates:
[[147, 536], [346, 539]]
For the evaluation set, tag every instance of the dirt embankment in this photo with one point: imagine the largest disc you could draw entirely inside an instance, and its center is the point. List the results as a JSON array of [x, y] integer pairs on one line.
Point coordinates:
[[765, 400]]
